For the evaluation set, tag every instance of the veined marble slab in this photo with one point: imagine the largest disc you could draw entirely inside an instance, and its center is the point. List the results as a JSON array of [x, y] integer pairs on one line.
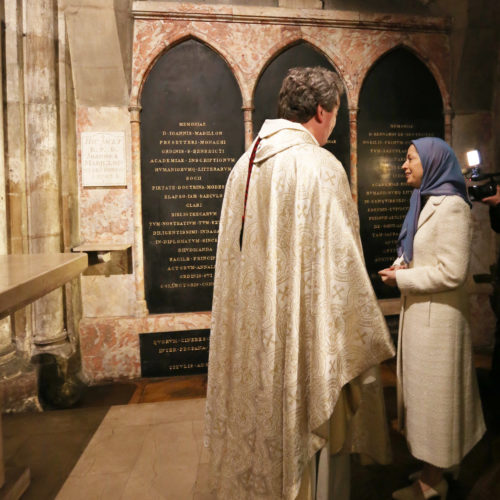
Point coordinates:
[[25, 278]]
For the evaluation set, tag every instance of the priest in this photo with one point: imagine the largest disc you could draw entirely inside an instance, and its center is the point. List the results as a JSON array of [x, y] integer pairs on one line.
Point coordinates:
[[297, 334]]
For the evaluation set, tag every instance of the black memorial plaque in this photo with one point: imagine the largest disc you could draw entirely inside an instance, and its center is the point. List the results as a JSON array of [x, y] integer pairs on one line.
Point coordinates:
[[399, 101], [267, 92], [167, 354], [191, 135]]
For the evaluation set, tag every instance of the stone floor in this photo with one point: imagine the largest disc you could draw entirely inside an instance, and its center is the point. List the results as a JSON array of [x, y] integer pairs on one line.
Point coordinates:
[[143, 440]]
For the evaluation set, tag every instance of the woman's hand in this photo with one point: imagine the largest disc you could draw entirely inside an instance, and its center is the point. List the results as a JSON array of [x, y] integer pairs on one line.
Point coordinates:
[[388, 275]]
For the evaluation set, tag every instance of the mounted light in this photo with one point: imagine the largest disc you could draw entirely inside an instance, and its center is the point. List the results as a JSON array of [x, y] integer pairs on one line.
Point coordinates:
[[473, 158]]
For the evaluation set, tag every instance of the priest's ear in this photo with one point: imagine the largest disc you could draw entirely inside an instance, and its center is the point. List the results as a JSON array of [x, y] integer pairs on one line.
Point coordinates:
[[320, 114]]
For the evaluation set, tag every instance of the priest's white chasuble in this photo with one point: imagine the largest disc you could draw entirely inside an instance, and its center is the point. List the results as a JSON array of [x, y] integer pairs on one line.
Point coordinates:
[[297, 333]]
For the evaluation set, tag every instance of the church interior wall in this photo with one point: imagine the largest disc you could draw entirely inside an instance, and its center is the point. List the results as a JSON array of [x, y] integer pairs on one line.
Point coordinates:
[[92, 83], [230, 30]]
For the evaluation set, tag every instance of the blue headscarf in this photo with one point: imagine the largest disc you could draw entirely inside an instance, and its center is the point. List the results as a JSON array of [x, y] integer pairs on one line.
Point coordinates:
[[442, 176]]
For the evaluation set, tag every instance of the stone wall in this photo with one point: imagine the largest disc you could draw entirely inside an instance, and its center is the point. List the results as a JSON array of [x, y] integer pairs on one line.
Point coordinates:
[[40, 188], [74, 66], [350, 40]]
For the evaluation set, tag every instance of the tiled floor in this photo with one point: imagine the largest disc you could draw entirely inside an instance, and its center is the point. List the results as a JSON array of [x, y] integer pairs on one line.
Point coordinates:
[[146, 443], [147, 451], [50, 444]]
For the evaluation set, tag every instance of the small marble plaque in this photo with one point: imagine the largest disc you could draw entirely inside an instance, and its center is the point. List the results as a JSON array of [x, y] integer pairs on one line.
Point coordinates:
[[103, 159], [166, 354]]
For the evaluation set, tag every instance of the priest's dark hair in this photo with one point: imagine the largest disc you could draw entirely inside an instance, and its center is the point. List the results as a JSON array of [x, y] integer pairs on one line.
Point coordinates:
[[304, 88]]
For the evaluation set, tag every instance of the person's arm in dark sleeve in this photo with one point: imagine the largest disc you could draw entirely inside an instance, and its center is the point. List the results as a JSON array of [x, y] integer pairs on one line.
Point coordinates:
[[494, 203]]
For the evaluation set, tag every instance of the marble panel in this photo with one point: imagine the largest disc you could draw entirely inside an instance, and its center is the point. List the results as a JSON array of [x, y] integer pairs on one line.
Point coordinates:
[[24, 278], [110, 346], [106, 213], [108, 295]]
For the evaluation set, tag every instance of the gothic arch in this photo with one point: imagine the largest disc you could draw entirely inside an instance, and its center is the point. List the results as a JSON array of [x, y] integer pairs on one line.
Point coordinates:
[[143, 71], [293, 40], [265, 94], [426, 61], [190, 99]]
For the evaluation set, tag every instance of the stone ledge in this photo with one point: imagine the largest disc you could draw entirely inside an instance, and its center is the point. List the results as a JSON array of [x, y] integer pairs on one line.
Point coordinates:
[[285, 16]]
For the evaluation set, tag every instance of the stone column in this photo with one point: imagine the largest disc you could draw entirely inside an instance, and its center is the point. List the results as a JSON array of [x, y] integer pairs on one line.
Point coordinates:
[[18, 379], [42, 158], [141, 308], [15, 158], [353, 125], [69, 177], [448, 117], [7, 349], [248, 124]]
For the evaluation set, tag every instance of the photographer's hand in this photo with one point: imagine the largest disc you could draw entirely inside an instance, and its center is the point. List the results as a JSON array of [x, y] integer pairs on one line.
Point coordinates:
[[494, 200]]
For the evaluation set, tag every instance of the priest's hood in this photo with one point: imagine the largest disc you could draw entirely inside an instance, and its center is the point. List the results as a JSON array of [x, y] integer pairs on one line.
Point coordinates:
[[278, 135]]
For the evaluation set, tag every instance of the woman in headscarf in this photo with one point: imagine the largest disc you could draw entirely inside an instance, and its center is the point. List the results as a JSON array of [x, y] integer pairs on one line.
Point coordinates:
[[438, 399]]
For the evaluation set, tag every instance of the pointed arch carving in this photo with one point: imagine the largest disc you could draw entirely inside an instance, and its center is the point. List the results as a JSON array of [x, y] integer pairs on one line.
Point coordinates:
[[141, 72], [299, 52], [191, 133], [400, 100], [294, 39], [426, 61]]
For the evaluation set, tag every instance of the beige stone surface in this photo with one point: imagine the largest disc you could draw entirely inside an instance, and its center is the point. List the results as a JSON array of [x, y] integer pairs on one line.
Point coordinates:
[[96, 56], [475, 131], [5, 330], [148, 451], [99, 486], [166, 466], [108, 295], [42, 156], [301, 4], [112, 450], [157, 413], [24, 278]]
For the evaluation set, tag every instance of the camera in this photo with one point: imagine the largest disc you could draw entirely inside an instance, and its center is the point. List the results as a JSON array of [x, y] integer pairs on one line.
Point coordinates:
[[479, 185], [482, 185]]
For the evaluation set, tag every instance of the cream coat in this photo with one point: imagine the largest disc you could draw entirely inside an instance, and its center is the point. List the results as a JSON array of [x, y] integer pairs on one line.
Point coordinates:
[[438, 399]]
